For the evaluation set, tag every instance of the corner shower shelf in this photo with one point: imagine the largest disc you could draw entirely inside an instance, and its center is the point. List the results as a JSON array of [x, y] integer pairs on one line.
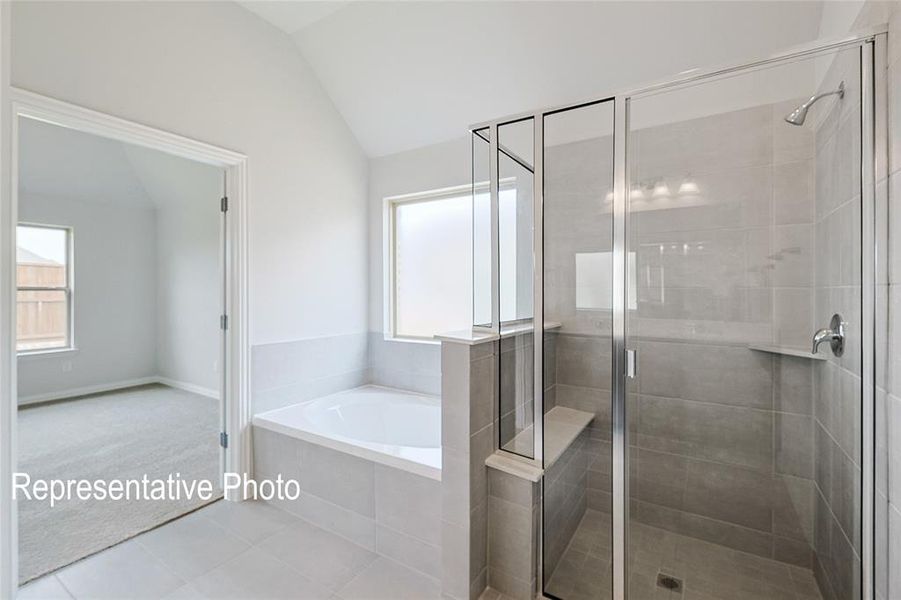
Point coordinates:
[[785, 351]]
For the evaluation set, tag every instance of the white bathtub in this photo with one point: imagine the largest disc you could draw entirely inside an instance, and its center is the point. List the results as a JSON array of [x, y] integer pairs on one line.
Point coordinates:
[[388, 426]]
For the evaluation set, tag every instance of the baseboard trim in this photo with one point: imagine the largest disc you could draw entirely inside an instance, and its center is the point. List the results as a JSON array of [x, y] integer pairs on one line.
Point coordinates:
[[116, 385], [188, 387], [86, 390]]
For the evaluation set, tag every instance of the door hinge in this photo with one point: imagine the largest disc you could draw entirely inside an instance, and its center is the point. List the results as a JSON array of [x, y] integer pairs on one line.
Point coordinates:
[[223, 439], [631, 364], [223, 321], [223, 204]]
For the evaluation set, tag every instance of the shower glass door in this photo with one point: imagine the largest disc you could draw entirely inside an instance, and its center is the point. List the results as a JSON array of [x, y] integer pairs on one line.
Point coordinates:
[[577, 352], [743, 240]]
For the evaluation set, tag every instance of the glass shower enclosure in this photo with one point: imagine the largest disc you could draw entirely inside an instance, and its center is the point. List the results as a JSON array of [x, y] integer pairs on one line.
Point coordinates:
[[684, 281]]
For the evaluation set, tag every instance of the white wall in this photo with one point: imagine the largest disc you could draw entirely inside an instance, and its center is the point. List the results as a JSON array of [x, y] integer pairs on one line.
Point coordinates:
[[214, 72], [115, 282], [188, 250]]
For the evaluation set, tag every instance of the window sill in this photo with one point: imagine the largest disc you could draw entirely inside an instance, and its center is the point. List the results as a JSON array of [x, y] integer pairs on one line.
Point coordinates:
[[45, 353], [410, 340]]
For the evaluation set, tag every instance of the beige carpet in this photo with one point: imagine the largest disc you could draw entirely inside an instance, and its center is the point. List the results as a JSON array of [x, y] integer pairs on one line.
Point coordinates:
[[151, 429]]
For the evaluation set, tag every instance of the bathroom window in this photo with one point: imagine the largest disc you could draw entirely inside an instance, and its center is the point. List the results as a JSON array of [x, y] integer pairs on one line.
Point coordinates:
[[43, 288], [429, 261]]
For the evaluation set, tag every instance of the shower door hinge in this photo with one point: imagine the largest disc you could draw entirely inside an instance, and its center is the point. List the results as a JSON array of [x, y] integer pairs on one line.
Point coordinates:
[[223, 204], [223, 439], [223, 322], [631, 364]]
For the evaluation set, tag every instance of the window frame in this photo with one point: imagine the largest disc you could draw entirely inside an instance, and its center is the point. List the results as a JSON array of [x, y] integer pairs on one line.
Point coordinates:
[[389, 250], [69, 290], [389, 262]]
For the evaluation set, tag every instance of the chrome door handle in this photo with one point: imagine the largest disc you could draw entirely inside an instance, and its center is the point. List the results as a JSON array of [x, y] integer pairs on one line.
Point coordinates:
[[631, 364], [835, 335]]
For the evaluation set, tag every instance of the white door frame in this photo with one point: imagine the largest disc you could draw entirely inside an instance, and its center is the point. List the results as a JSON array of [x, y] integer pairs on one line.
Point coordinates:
[[22, 103]]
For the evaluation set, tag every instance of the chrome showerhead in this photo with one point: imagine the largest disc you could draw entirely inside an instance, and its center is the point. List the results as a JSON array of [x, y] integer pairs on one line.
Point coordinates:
[[797, 116]]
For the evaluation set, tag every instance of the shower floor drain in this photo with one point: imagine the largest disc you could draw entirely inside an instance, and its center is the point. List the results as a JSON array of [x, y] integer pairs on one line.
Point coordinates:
[[668, 582]]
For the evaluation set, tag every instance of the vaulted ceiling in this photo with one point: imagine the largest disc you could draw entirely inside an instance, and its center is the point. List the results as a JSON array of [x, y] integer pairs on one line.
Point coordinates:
[[409, 74], [57, 162]]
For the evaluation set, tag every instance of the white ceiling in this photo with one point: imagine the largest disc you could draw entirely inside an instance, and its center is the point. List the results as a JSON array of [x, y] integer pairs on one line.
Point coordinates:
[[409, 74]]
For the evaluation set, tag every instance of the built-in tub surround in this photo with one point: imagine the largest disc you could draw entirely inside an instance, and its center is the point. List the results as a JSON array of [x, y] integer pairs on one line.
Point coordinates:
[[408, 365], [286, 373], [392, 427], [376, 486]]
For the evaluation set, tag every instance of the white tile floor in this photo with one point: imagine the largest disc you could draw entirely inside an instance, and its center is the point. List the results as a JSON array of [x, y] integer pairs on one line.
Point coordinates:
[[235, 550]]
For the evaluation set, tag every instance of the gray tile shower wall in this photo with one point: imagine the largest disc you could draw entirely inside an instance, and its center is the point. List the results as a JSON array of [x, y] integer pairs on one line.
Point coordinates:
[[513, 536], [837, 389], [722, 436], [286, 373], [566, 499], [405, 365]]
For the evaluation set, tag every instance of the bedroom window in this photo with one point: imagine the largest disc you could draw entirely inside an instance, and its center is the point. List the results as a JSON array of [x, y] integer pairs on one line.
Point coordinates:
[[43, 288]]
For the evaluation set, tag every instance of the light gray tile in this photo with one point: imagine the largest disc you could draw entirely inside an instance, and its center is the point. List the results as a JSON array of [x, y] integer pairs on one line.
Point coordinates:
[[894, 567], [254, 574], [730, 494], [894, 450], [478, 540], [482, 446], [185, 592], [578, 358], [338, 477], [455, 391], [793, 191], [509, 585], [47, 587], [455, 559], [408, 503], [509, 537], [792, 312], [729, 434], [793, 506], [274, 398], [123, 571], [409, 551], [794, 444], [707, 373], [275, 454], [511, 488], [455, 486], [726, 534], [250, 520], [482, 393], [323, 557], [792, 256], [793, 385], [385, 579], [357, 528], [285, 363], [192, 545]]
